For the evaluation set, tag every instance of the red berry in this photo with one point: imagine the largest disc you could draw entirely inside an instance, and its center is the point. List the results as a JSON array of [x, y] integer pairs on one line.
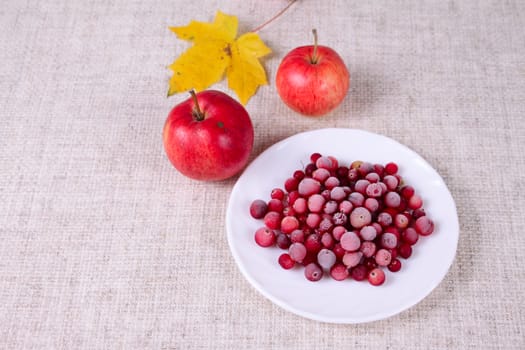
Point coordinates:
[[275, 205], [258, 209], [359, 273], [313, 272], [376, 277], [395, 265], [391, 168], [339, 272], [291, 184], [424, 226], [265, 237], [313, 243], [405, 250], [286, 261], [272, 220]]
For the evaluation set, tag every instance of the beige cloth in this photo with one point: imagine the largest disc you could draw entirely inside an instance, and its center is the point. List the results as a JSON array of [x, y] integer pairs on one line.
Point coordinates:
[[104, 245]]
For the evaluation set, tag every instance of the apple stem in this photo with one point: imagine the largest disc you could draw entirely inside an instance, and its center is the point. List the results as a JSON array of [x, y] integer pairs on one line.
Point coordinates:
[[314, 58], [197, 112], [274, 17]]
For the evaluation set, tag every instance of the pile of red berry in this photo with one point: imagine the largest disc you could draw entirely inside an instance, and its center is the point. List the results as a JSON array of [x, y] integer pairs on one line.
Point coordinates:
[[350, 221]]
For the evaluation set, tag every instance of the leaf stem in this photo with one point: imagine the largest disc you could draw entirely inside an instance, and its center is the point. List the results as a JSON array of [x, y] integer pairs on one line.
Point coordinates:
[[274, 17], [197, 112]]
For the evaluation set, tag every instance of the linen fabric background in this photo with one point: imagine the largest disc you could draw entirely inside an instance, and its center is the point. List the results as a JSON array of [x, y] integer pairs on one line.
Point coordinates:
[[103, 244]]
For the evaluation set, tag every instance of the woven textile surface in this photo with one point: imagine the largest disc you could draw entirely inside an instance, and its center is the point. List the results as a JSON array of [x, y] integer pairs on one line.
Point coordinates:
[[104, 245]]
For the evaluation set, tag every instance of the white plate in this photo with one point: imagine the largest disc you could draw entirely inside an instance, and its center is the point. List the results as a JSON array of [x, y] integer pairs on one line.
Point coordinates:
[[328, 300]]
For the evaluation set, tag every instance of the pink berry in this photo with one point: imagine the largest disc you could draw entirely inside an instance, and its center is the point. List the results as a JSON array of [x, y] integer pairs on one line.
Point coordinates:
[[368, 249], [365, 168], [391, 182], [371, 204], [384, 219], [313, 272], [313, 220], [357, 199], [337, 193], [392, 199], [327, 240], [325, 163], [339, 272], [368, 233], [330, 207], [415, 202], [361, 186], [286, 261], [360, 217], [308, 186], [350, 241], [297, 236], [401, 221], [316, 203], [265, 237], [300, 205], [345, 207], [340, 218], [374, 190], [289, 224], [321, 175], [351, 259], [326, 258], [297, 252], [258, 209], [272, 220], [373, 177], [383, 257], [338, 232], [388, 240], [376, 277], [424, 226], [332, 182]]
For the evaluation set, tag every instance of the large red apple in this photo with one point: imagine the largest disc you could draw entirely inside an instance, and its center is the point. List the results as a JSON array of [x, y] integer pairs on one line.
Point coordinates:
[[313, 79], [208, 136]]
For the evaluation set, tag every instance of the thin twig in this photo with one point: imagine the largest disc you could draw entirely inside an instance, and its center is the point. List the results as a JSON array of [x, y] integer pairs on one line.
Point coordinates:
[[274, 17]]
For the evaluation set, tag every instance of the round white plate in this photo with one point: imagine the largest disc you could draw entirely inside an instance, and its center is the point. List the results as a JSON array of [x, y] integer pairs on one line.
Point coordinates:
[[328, 300]]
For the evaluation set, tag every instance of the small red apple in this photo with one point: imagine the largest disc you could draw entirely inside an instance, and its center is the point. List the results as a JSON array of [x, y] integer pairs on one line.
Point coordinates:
[[312, 80], [208, 136]]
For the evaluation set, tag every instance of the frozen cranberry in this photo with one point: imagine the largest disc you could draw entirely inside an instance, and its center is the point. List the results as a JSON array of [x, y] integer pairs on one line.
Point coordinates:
[[359, 273], [405, 250], [286, 261], [376, 277], [265, 237], [391, 168], [424, 226], [313, 272], [395, 265], [258, 209], [339, 272]]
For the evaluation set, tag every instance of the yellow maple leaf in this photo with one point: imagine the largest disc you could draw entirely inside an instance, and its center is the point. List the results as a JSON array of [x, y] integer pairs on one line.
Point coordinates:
[[216, 51]]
